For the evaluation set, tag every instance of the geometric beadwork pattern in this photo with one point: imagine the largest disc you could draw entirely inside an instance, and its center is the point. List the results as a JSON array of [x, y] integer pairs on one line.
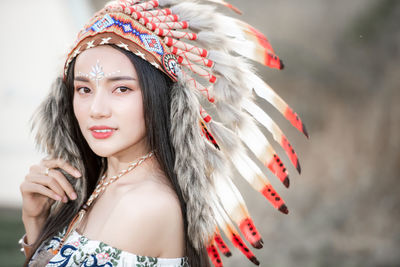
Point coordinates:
[[152, 43]]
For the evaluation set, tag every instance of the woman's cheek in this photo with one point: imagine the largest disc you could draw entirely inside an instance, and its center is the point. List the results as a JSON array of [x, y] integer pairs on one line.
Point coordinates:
[[79, 111]]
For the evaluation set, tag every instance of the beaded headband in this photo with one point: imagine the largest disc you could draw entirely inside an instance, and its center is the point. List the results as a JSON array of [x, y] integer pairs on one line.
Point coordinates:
[[120, 29], [186, 39]]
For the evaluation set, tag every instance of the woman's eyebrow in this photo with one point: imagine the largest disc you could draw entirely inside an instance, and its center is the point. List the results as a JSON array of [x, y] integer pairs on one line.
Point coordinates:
[[119, 78], [109, 79], [81, 79]]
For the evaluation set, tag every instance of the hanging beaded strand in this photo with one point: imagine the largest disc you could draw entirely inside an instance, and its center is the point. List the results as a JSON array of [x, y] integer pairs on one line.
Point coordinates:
[[102, 185]]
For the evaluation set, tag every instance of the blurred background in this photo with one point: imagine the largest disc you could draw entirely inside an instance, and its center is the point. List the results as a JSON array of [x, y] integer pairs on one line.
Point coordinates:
[[342, 77]]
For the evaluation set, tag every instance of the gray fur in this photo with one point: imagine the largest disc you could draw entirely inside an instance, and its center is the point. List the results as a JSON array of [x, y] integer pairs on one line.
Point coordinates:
[[214, 159], [53, 137], [190, 164], [219, 170]]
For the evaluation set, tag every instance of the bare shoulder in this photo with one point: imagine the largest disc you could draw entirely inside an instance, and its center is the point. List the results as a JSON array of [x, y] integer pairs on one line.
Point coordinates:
[[148, 221]]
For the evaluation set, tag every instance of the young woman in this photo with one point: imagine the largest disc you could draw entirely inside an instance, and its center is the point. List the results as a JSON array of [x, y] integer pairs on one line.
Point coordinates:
[[118, 117], [134, 175]]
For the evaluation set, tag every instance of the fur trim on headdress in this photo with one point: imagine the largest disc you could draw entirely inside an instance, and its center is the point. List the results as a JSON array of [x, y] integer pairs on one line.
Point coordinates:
[[190, 166], [53, 136]]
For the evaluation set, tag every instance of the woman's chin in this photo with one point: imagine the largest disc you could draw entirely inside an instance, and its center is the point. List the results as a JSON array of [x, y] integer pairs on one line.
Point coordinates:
[[103, 151]]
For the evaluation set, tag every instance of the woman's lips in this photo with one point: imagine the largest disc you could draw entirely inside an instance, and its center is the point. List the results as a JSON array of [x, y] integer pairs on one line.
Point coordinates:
[[102, 132]]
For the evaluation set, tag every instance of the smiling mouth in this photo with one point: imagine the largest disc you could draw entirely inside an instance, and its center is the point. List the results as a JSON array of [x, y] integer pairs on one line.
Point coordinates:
[[102, 132]]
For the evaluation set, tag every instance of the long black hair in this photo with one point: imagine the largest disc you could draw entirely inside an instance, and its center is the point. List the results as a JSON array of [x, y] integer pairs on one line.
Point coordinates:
[[155, 87]]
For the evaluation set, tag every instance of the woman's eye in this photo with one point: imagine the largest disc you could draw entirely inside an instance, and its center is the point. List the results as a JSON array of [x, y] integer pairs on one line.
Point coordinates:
[[83, 90], [122, 89]]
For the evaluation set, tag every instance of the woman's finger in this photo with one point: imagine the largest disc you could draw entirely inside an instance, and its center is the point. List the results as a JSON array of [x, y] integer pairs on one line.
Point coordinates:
[[59, 163], [40, 189], [50, 182], [64, 183]]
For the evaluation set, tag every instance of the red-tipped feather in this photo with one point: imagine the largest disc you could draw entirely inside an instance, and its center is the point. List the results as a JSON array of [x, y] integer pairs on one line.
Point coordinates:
[[214, 255], [230, 231], [270, 193], [291, 153], [278, 135], [264, 91], [234, 205], [260, 146], [255, 177], [238, 242], [275, 165], [221, 244], [262, 40], [249, 231], [294, 119], [273, 61], [256, 46]]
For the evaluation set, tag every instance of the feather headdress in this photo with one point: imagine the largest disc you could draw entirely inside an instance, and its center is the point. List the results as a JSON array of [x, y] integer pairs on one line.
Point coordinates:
[[208, 55]]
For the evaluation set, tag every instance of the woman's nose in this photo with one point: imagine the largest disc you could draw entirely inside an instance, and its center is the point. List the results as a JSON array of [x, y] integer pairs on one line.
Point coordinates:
[[100, 107]]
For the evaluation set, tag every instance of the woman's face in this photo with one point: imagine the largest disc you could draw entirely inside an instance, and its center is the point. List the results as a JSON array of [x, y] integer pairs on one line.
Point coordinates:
[[108, 103]]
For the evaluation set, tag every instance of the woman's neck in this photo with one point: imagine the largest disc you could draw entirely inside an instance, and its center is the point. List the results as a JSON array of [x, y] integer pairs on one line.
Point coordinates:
[[121, 160]]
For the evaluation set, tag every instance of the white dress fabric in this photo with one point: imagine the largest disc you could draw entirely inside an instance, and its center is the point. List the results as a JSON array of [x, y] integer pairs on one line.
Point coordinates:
[[78, 250]]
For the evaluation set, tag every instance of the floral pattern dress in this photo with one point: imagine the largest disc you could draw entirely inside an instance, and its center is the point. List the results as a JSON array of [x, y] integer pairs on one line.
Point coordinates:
[[78, 250]]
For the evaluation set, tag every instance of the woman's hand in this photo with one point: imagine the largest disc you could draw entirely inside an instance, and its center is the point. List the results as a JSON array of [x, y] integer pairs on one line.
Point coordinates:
[[43, 185]]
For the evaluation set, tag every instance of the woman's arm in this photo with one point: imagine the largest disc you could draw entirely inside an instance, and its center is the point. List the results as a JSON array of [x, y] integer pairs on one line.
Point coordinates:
[[32, 225]]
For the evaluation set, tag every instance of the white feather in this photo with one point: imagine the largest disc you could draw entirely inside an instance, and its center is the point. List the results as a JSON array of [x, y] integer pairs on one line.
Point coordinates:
[[263, 118], [231, 199], [242, 167], [168, 2], [243, 47], [227, 139], [212, 40], [200, 17], [249, 170], [230, 115], [229, 27], [223, 58], [264, 91], [255, 140]]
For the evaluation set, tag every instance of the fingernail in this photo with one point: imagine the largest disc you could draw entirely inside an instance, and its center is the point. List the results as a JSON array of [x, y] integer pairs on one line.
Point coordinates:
[[65, 199], [73, 196], [78, 174], [58, 197]]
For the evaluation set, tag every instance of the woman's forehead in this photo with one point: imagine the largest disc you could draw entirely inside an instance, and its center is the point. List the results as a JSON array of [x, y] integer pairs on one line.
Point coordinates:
[[103, 59]]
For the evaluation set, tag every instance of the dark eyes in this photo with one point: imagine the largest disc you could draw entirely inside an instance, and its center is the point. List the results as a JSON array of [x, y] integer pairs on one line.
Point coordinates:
[[83, 90], [86, 90], [122, 89]]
